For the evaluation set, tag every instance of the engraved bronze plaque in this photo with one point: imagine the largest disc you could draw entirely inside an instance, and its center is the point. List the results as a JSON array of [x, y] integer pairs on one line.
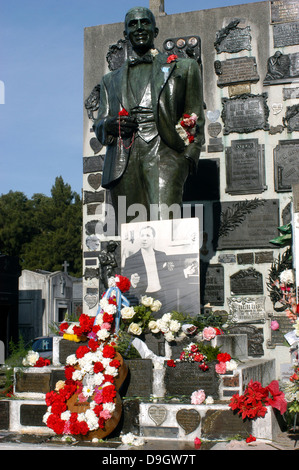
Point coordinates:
[[246, 113], [245, 167], [214, 285], [238, 70], [286, 166], [233, 39], [286, 34], [246, 282], [283, 11], [188, 419], [246, 224]]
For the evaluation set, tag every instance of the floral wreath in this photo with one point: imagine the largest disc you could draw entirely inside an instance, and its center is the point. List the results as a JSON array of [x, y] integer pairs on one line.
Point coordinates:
[[90, 373]]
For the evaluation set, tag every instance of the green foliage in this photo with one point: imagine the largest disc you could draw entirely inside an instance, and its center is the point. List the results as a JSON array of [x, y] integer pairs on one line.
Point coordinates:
[[124, 346], [43, 231], [17, 351], [209, 351]]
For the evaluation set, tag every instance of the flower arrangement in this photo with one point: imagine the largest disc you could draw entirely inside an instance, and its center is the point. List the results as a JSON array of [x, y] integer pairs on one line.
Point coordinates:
[[33, 359], [90, 372], [186, 127], [292, 392], [253, 403], [192, 354], [225, 363]]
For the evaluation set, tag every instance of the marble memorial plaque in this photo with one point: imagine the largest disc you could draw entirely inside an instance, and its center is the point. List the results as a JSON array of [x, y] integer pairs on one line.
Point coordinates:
[[245, 167], [157, 414], [283, 11], [263, 257], [246, 309], [286, 34], [233, 39], [286, 166], [246, 113], [93, 164], [246, 224], [238, 70], [90, 196], [188, 419], [246, 282], [214, 285], [222, 424], [94, 180]]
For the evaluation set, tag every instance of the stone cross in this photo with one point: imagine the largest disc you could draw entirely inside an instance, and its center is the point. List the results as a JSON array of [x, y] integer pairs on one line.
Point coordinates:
[[65, 266]]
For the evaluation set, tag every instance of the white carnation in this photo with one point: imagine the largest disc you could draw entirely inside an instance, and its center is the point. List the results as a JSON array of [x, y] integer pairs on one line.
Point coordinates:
[[287, 276]]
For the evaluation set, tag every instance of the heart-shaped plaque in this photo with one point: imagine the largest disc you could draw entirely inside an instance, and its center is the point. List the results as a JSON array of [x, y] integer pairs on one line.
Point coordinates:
[[157, 414], [188, 419], [213, 115], [95, 180], [277, 108], [91, 300]]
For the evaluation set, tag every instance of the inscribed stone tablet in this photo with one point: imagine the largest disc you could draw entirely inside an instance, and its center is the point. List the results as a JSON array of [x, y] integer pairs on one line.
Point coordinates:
[[247, 224], [286, 166], [245, 167], [277, 336], [188, 419], [140, 378], [34, 383], [244, 114]]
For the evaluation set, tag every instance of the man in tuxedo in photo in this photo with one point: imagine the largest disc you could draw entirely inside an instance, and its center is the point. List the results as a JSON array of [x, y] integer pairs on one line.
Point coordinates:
[[141, 106]]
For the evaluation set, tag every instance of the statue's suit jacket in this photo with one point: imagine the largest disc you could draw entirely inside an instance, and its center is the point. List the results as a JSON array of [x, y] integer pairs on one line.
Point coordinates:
[[176, 89]]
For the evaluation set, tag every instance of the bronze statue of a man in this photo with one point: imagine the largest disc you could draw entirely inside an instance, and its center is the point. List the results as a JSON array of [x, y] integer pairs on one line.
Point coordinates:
[[151, 119]]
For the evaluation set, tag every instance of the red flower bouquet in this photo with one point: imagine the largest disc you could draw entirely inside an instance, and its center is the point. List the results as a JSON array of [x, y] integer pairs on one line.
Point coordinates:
[[252, 404]]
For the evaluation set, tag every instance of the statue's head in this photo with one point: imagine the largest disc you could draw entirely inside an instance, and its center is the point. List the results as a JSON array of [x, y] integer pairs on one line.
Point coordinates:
[[140, 29]]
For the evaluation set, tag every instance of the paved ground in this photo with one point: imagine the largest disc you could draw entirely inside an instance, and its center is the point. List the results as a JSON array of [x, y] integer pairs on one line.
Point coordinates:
[[12, 442]]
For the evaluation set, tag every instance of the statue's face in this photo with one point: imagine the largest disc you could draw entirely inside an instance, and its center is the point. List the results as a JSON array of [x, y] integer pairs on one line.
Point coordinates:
[[140, 30]]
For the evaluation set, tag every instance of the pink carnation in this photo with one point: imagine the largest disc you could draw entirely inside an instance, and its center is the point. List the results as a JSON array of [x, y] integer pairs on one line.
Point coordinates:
[[220, 368], [105, 414], [209, 333], [198, 397], [274, 325]]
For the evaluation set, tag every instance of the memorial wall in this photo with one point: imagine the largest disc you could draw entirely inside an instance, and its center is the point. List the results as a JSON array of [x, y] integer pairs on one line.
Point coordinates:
[[249, 59]]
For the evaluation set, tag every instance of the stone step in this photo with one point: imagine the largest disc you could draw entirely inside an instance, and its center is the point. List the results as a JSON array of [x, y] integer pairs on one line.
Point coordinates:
[[161, 420]]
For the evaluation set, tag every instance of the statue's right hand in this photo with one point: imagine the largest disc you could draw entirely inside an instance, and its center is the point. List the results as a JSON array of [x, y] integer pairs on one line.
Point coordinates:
[[123, 125]]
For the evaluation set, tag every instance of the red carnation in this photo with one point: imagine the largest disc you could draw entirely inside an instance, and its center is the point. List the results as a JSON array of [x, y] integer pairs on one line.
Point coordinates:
[[93, 345], [123, 283], [171, 363], [98, 367], [81, 351], [115, 363], [109, 351], [171, 58], [108, 393], [223, 357], [77, 330], [63, 326]]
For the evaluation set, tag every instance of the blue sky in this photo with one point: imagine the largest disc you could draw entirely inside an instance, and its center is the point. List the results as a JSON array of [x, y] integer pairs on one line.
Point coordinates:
[[41, 67]]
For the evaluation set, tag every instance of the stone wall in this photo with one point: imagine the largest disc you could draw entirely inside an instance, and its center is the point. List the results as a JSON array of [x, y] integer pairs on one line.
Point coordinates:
[[247, 166]]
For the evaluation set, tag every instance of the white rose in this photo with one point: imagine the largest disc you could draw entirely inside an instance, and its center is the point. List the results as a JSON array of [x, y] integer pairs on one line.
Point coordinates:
[[127, 312], [166, 317], [153, 326], [174, 326], [111, 282], [162, 325], [155, 307], [134, 329], [169, 337], [147, 301]]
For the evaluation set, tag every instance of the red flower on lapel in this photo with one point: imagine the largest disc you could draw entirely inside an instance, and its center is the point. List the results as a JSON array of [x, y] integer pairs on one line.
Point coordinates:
[[171, 58]]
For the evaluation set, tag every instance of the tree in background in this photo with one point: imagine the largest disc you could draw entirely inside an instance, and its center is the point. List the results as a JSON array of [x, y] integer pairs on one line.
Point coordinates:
[[43, 231]]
